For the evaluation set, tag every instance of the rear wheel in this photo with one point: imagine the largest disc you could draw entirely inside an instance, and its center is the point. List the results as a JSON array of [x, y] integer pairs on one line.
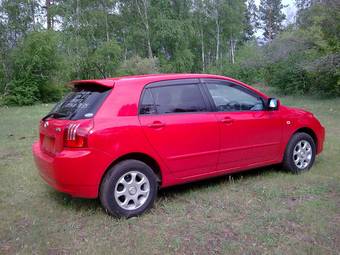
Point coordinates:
[[128, 189], [300, 153]]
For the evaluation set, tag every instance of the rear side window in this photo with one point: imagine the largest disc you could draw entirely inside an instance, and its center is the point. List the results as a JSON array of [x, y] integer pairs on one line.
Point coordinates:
[[82, 103], [173, 99], [147, 104]]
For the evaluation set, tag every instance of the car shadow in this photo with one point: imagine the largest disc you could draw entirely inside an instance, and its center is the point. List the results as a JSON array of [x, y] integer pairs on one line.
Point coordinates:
[[73, 203], [174, 191], [170, 193]]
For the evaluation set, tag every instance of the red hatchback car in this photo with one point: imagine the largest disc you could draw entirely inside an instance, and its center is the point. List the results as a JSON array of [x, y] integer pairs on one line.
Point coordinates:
[[121, 139]]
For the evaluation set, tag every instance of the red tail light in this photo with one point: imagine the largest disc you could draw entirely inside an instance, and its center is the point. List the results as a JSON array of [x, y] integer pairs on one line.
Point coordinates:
[[76, 135]]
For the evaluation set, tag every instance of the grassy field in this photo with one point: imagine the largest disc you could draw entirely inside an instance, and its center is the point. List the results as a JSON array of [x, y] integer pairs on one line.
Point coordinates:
[[263, 211]]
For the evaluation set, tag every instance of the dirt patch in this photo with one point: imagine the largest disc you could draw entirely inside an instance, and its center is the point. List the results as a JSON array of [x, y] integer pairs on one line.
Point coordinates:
[[58, 251], [6, 248], [23, 224], [9, 154]]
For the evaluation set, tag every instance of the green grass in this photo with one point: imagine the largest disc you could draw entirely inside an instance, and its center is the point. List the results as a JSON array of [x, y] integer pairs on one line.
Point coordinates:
[[264, 211]]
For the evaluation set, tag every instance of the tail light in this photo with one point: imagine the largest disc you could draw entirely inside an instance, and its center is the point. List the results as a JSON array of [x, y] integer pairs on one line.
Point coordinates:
[[76, 135]]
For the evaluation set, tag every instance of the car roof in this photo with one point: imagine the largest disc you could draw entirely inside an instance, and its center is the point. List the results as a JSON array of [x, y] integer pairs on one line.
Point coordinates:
[[148, 78], [109, 82]]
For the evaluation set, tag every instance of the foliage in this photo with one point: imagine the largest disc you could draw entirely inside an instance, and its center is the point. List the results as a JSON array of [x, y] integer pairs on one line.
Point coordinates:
[[271, 16], [306, 59], [35, 62], [106, 58], [138, 65], [249, 65], [44, 44]]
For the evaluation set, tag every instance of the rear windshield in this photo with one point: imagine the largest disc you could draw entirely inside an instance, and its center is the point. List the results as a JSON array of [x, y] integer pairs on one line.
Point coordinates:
[[82, 103]]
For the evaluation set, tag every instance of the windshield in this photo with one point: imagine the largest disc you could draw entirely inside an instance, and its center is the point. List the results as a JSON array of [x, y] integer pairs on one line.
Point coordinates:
[[82, 103]]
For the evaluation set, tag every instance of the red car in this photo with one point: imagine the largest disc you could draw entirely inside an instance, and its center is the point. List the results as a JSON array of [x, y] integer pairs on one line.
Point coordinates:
[[121, 139]]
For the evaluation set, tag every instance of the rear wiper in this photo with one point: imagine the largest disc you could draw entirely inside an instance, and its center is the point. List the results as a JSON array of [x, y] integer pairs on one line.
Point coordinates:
[[55, 114]]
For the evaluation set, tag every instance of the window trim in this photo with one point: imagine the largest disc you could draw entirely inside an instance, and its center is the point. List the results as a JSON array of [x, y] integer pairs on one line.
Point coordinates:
[[231, 84], [176, 82]]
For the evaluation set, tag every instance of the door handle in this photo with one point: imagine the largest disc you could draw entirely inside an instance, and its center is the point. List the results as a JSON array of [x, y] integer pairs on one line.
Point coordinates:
[[156, 124], [227, 120]]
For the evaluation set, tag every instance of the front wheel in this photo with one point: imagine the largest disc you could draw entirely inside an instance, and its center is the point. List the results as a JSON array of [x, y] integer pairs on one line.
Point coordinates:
[[300, 153], [128, 189]]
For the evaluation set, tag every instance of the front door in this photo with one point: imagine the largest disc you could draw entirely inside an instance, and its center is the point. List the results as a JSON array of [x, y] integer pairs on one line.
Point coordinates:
[[250, 134]]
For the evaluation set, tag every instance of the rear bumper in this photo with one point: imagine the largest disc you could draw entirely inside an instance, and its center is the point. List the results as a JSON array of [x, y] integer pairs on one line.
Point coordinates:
[[75, 172]]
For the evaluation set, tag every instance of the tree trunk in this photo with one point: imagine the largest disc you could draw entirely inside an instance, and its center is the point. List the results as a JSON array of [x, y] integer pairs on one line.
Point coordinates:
[[77, 17], [202, 51], [147, 29], [232, 46], [49, 17], [145, 20], [270, 24], [104, 9], [32, 5], [217, 39]]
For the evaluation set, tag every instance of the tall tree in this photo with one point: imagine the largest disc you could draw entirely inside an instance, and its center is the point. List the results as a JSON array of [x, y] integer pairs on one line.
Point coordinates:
[[251, 20], [272, 17], [143, 7], [200, 18]]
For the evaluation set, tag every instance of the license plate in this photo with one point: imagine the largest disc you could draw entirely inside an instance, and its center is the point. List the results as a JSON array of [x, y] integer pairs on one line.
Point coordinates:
[[48, 144]]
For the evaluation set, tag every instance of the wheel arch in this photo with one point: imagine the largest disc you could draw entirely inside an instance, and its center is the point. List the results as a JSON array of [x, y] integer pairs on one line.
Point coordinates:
[[310, 132], [145, 158]]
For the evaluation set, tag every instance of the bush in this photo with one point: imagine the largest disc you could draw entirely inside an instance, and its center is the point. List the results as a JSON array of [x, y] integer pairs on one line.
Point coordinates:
[[35, 63], [287, 76], [248, 67], [325, 75], [23, 92], [306, 59]]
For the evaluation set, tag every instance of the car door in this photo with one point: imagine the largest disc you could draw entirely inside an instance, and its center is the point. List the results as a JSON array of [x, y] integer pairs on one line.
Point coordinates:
[[176, 120], [250, 134]]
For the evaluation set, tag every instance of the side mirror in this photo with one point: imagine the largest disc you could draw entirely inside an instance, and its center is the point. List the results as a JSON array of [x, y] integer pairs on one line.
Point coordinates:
[[273, 104]]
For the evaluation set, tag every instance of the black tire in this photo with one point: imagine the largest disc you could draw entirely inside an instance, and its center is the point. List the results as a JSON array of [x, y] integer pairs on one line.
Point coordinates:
[[108, 188], [288, 160]]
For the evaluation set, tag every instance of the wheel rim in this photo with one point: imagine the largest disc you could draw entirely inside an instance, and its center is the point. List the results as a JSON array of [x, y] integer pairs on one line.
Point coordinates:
[[132, 190], [302, 154]]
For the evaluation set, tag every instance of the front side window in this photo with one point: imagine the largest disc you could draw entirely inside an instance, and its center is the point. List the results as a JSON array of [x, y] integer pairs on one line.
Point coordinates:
[[230, 97], [173, 99]]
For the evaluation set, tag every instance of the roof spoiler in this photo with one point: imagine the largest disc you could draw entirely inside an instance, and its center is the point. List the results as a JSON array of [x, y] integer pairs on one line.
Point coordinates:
[[105, 82]]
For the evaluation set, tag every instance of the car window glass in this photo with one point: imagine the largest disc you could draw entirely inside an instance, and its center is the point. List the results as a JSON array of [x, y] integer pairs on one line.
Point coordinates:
[[178, 98], [147, 104], [232, 98], [83, 102]]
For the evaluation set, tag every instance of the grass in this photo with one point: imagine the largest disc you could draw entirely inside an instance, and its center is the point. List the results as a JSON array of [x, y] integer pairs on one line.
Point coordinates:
[[263, 211]]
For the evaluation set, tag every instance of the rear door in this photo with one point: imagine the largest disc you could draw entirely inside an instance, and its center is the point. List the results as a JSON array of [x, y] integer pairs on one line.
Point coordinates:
[[250, 134], [176, 120]]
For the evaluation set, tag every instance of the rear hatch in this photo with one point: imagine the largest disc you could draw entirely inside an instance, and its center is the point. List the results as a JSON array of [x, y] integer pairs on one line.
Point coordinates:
[[72, 117]]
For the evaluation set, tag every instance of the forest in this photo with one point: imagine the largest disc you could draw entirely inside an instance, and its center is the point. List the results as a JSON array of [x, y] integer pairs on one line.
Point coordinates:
[[45, 44]]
